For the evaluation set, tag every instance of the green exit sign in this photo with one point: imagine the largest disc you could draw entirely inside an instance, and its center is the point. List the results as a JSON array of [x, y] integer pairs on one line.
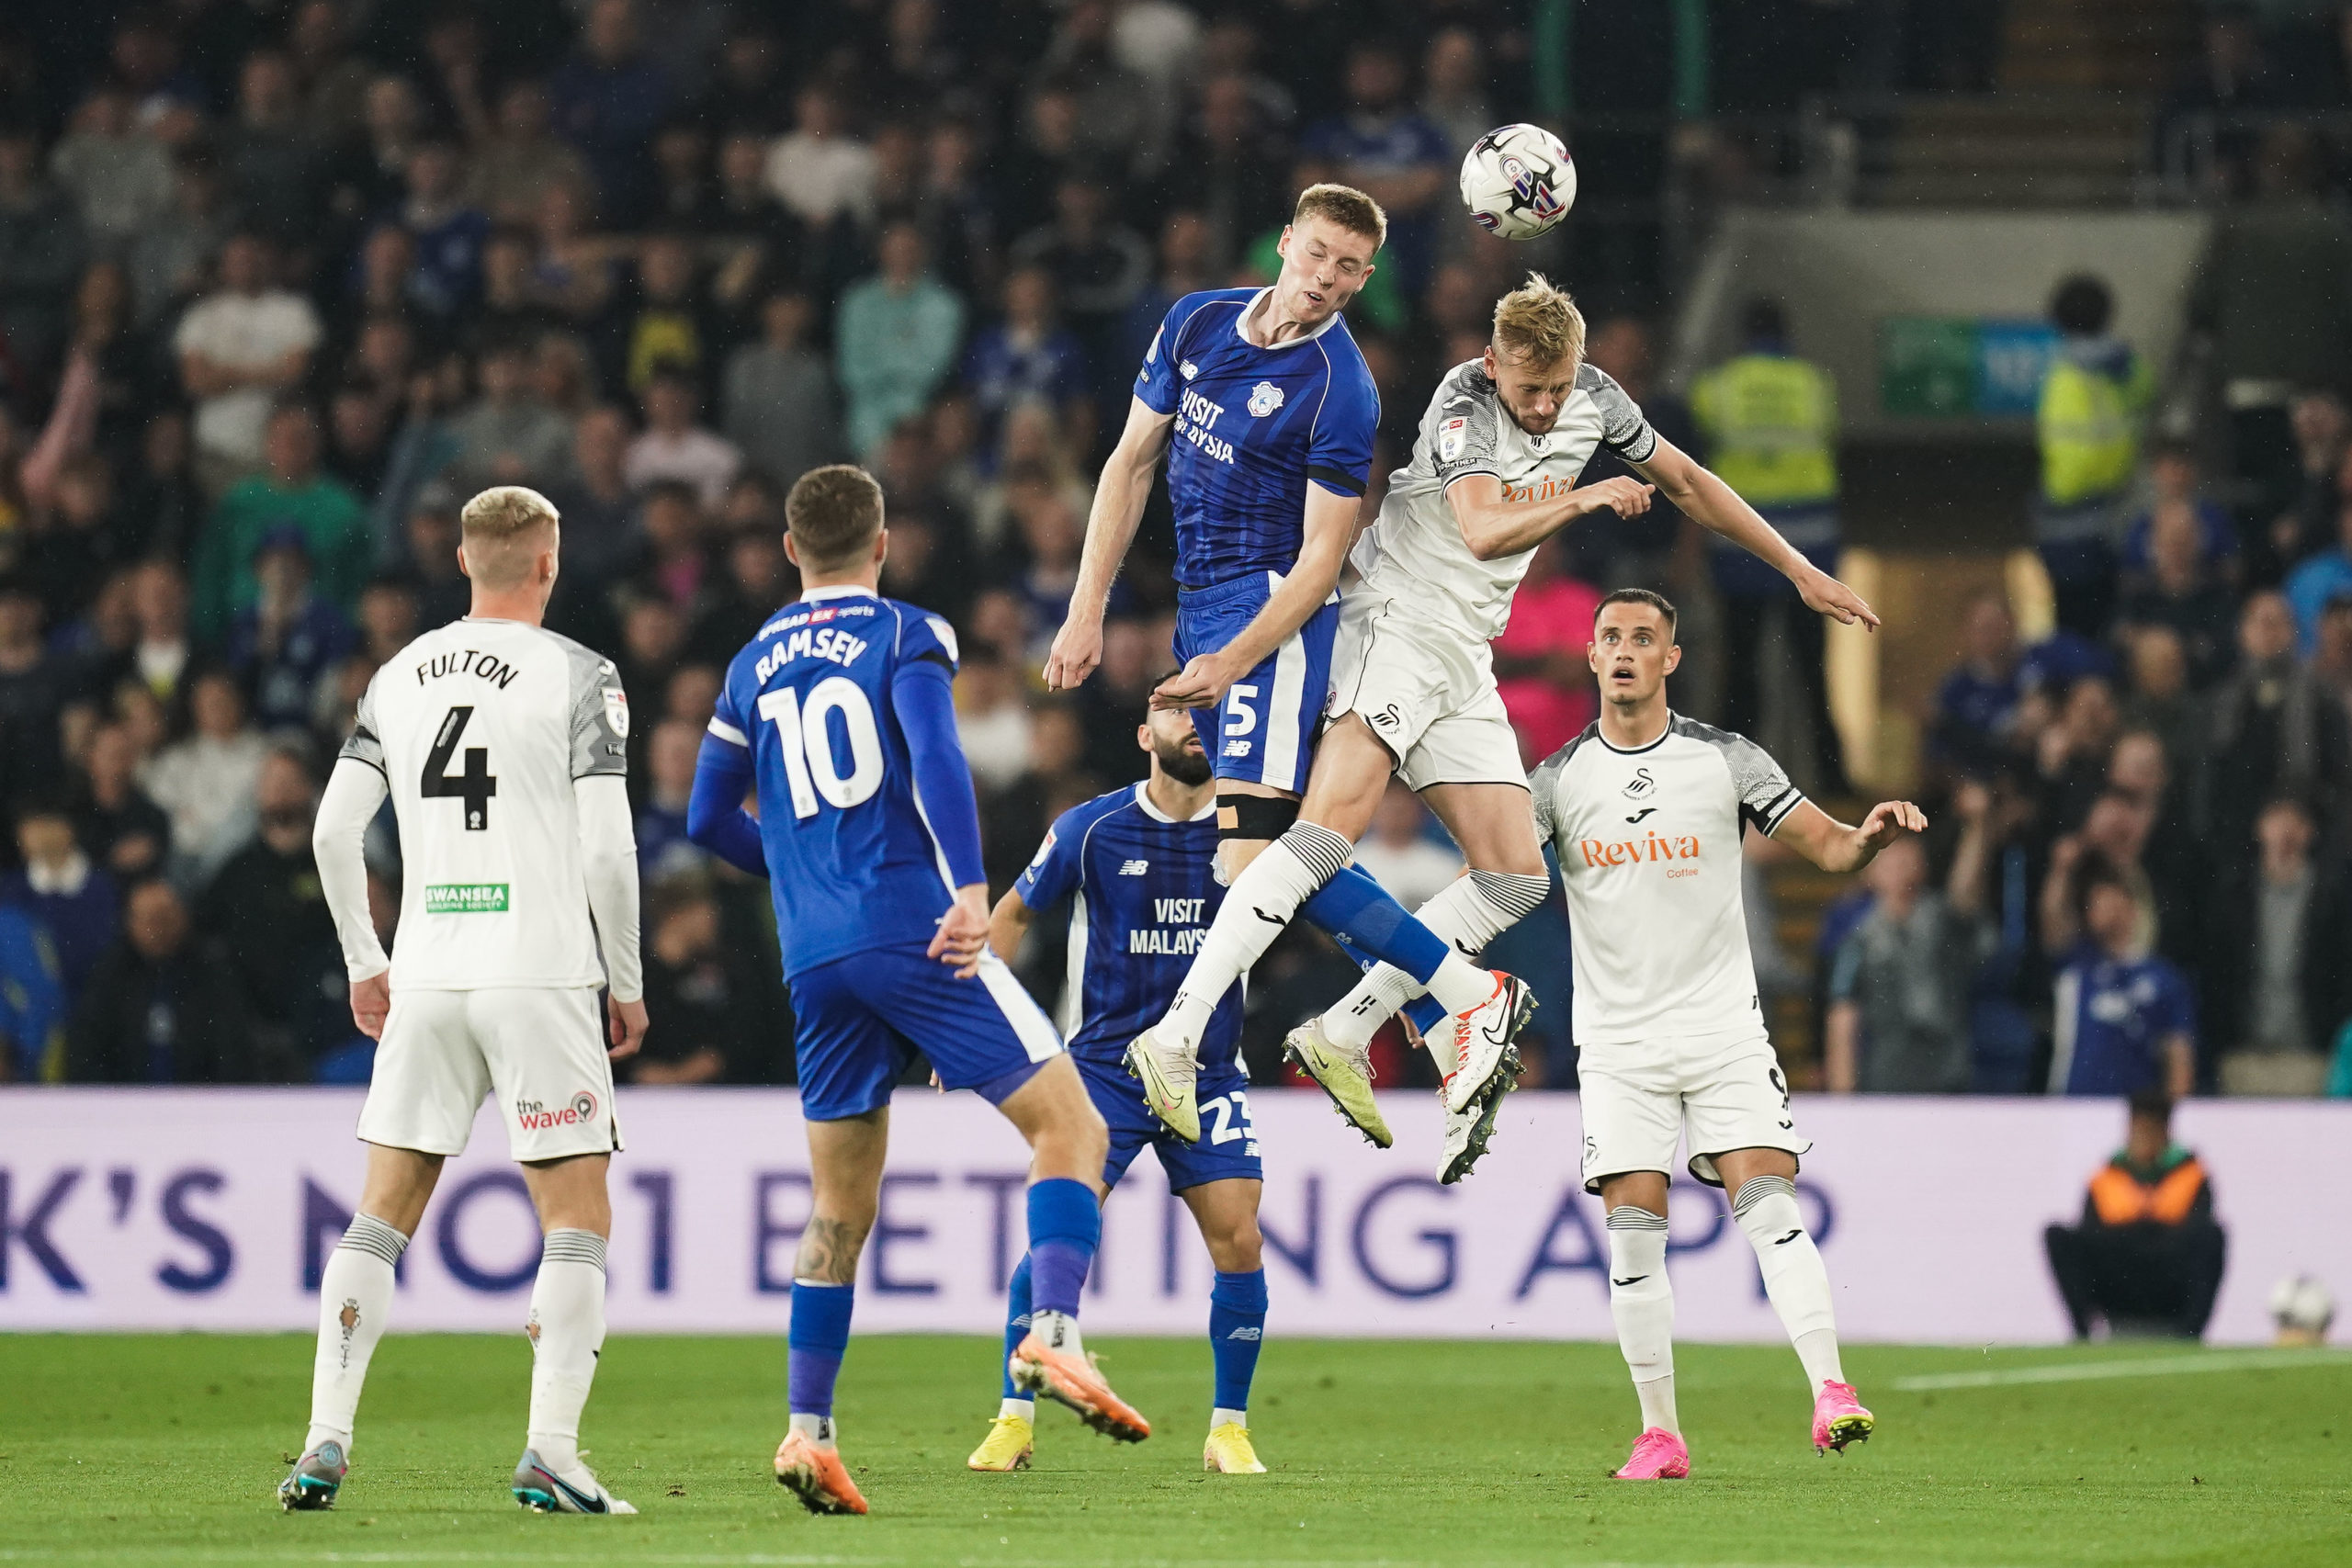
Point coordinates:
[[1961, 367]]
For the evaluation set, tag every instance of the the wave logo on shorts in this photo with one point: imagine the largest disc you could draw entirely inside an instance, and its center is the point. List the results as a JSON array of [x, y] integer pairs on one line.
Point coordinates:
[[1599, 854], [579, 1111], [1264, 399]]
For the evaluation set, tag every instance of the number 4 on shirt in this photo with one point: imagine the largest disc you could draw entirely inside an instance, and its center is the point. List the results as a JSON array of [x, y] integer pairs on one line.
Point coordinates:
[[474, 786]]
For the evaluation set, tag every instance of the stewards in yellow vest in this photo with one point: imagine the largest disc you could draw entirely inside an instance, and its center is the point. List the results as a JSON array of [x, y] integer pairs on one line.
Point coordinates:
[[2094, 400], [1770, 423]]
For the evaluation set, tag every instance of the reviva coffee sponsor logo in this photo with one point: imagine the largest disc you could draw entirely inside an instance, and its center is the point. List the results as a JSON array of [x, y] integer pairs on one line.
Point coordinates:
[[1599, 854], [577, 1111]]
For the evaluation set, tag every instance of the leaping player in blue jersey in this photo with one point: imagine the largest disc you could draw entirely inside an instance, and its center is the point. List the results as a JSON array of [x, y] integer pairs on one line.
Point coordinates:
[[841, 713], [1140, 865], [1266, 411]]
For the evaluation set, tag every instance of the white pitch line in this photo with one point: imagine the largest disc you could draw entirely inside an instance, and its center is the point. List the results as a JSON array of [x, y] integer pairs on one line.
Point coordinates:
[[2152, 1367]]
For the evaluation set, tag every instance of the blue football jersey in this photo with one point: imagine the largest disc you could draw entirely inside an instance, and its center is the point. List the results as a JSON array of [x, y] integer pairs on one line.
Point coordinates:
[[1253, 425], [851, 862], [1145, 890]]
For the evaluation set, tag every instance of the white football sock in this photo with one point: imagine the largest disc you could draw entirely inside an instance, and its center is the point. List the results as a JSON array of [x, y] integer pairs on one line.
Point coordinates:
[[1222, 1416], [1794, 1276], [354, 1298], [1024, 1408], [819, 1429], [1259, 904], [1467, 914], [567, 1330], [1057, 1331], [1642, 1302]]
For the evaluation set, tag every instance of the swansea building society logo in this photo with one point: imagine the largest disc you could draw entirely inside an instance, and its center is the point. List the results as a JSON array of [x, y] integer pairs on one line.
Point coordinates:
[[465, 897]]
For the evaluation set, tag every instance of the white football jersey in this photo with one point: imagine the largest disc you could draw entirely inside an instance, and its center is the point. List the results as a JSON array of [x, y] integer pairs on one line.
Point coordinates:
[[1649, 847], [1416, 546], [479, 728]]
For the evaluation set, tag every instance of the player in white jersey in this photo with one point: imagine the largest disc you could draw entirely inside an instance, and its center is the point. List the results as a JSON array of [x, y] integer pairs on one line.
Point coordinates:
[[1646, 810], [502, 746], [1493, 475]]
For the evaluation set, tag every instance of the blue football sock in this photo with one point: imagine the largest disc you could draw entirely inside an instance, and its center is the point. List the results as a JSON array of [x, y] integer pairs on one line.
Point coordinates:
[[1064, 1227], [1236, 1328], [1357, 912], [1426, 1012], [819, 1338], [1016, 1323]]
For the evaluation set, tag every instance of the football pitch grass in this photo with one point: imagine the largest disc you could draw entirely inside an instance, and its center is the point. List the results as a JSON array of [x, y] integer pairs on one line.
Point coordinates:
[[165, 1449]]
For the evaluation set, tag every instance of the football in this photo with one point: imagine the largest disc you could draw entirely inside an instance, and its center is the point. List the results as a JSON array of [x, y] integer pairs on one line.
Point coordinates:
[[1518, 181], [2303, 1308]]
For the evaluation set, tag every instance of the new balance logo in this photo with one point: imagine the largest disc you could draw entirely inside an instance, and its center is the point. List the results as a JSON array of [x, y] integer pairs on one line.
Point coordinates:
[[1134, 867], [1246, 1333], [1634, 1280]]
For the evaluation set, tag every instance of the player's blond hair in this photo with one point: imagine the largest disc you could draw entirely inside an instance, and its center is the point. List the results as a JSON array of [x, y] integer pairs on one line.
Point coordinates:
[[833, 514], [503, 529], [1539, 324], [1345, 206]]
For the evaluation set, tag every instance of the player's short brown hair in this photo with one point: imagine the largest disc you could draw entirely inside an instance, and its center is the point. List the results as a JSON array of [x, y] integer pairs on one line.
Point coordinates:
[[1657, 602], [502, 529], [1539, 324], [833, 514], [1346, 206]]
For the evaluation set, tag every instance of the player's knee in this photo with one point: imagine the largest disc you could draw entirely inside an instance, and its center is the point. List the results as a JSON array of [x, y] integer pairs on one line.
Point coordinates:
[[1237, 1246]]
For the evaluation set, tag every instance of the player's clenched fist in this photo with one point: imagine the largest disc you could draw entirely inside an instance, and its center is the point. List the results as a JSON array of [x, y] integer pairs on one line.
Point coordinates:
[[1627, 497], [371, 999], [963, 932], [1078, 648]]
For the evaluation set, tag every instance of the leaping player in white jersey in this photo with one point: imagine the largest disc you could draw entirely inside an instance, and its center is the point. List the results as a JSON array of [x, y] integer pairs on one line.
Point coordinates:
[[1647, 809], [502, 746], [1493, 474]]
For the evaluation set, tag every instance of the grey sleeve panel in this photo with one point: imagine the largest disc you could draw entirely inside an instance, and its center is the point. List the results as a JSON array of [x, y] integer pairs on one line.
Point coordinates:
[[1462, 427], [1624, 430], [599, 713], [1766, 796], [366, 743], [1542, 785]]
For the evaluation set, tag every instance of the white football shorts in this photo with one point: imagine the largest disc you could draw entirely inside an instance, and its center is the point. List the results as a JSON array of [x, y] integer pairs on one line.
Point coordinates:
[[539, 1050], [1639, 1100], [1427, 689]]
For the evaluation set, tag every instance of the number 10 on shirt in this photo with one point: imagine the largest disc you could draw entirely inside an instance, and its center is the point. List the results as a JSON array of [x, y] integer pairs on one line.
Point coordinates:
[[806, 742]]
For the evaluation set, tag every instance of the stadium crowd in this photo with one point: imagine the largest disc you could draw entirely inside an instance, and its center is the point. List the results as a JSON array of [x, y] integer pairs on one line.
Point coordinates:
[[281, 285]]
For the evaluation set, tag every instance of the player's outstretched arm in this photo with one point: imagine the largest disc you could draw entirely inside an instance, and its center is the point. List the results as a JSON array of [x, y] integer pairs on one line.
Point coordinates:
[[715, 816], [608, 867], [355, 792], [1831, 845], [1328, 527], [1111, 526], [1715, 506], [1493, 527]]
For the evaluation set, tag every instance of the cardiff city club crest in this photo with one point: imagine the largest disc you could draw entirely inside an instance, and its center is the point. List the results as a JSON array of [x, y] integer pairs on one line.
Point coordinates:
[[1264, 399]]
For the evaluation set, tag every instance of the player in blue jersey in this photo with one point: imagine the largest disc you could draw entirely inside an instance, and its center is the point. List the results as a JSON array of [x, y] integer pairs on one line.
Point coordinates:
[[1266, 412], [841, 713], [1140, 865]]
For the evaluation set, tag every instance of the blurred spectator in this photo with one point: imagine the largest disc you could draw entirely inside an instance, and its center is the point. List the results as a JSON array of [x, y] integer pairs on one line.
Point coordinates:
[[755, 578], [605, 100], [2306, 519], [2147, 1257], [283, 644], [1385, 149], [1228, 172], [207, 782], [521, 158], [676, 565], [779, 399], [2181, 592], [2277, 987], [1642, 550], [159, 1011], [1099, 266], [33, 1008], [239, 348], [669, 324], [1454, 87], [1399, 853], [673, 447], [76, 903], [2331, 663], [1900, 984], [896, 339], [119, 178], [121, 827], [662, 848], [2275, 732], [2094, 395], [1770, 423], [508, 436], [269, 921], [1028, 357], [447, 230], [168, 259], [431, 556], [273, 164], [2124, 1020], [32, 693], [1976, 705], [42, 248], [992, 719], [1539, 661], [821, 172], [291, 490], [709, 1011], [2319, 578], [602, 532], [2174, 479], [387, 618], [368, 173]]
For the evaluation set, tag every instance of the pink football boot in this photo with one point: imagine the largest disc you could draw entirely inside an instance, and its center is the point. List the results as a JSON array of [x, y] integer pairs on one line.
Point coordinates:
[[1839, 1418], [1659, 1455]]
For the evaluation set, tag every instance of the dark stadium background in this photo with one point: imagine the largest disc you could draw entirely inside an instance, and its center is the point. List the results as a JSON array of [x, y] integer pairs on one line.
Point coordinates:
[[280, 284]]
